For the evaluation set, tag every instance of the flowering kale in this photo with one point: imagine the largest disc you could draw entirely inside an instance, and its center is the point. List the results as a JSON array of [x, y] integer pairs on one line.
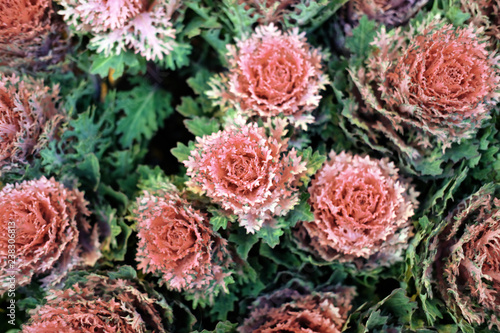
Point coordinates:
[[298, 126], [46, 218], [99, 304], [387, 12], [288, 310], [361, 210], [467, 259], [436, 92], [441, 82], [29, 117], [273, 73], [247, 172], [30, 34], [177, 241], [141, 26]]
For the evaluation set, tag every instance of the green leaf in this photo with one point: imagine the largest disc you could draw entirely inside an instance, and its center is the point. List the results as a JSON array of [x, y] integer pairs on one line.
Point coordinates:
[[314, 160], [53, 159], [400, 305], [424, 223], [91, 132], [375, 319], [489, 169], [445, 193], [301, 212], [189, 107], [394, 311], [88, 169], [178, 57], [81, 148], [244, 243], [145, 107], [112, 247], [204, 20], [182, 152], [28, 303], [222, 327], [447, 328], [362, 36], [121, 246], [101, 64], [201, 126], [238, 18], [270, 234], [430, 166], [457, 152], [253, 289], [313, 13], [75, 95], [124, 272], [212, 37], [199, 83], [224, 304], [118, 199], [456, 16], [280, 256], [195, 26], [119, 166], [153, 179], [218, 222], [430, 308]]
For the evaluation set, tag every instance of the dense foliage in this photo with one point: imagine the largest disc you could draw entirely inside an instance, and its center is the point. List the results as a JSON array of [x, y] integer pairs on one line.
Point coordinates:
[[249, 166]]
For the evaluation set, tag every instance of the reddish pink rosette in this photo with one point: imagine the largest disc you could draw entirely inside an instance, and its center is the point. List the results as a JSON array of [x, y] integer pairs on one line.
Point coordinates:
[[30, 34], [23, 20], [423, 92], [29, 116], [276, 73], [466, 259], [247, 172], [98, 305], [287, 310], [361, 210], [176, 241], [44, 218], [440, 88], [442, 81]]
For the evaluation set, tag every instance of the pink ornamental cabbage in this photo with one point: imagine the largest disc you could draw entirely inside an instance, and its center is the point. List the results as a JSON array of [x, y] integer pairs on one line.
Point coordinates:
[[273, 73], [436, 83], [177, 241], [247, 172], [29, 117], [31, 35], [467, 259], [288, 310], [44, 219], [118, 25], [444, 81], [99, 304], [362, 210]]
